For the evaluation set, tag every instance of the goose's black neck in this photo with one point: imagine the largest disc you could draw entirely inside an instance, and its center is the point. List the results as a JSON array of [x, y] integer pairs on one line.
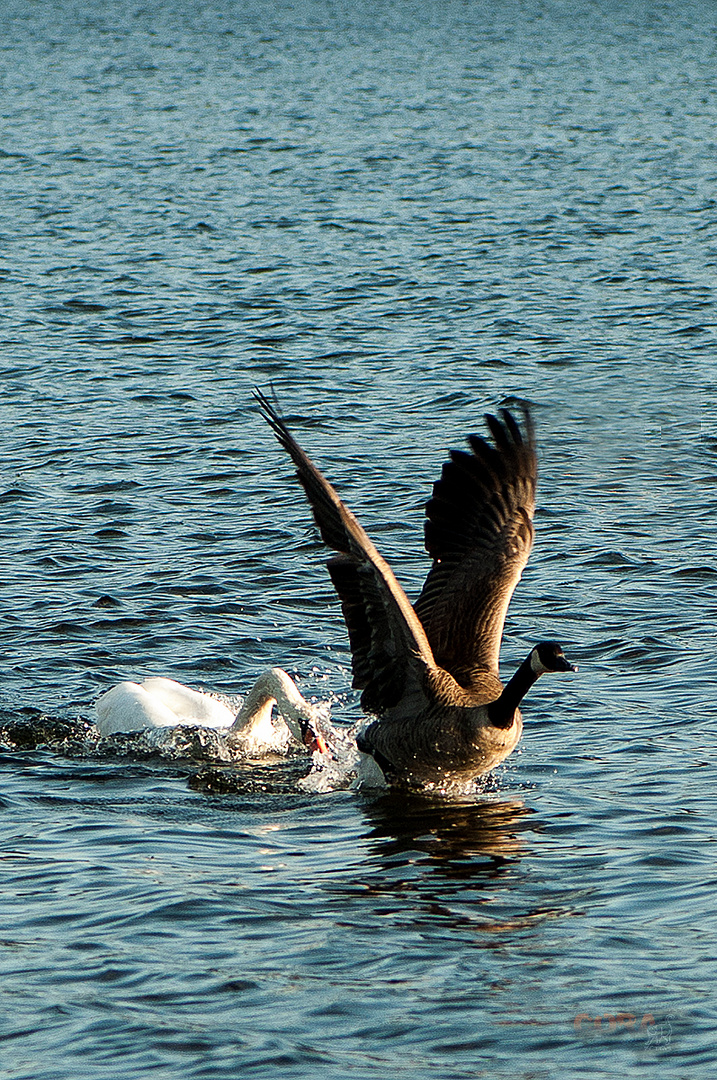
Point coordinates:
[[502, 710]]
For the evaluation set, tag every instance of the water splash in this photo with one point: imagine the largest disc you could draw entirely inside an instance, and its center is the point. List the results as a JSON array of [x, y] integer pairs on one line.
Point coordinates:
[[343, 766]]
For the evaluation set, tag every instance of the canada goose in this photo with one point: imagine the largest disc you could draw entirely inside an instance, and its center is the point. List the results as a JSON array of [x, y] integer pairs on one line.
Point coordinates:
[[164, 703], [429, 673]]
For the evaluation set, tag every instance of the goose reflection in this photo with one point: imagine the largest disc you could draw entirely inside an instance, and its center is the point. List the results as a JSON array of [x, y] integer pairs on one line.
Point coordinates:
[[454, 839], [439, 867]]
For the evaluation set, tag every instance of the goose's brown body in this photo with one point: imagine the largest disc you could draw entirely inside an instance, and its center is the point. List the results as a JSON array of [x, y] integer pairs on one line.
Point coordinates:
[[430, 674], [449, 738]]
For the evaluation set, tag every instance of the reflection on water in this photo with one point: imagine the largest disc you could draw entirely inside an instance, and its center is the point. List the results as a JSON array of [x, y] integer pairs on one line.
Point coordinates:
[[455, 838], [439, 867], [464, 850]]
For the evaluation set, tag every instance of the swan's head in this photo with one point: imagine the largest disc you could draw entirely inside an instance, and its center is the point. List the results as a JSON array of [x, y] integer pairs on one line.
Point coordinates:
[[307, 732], [549, 656]]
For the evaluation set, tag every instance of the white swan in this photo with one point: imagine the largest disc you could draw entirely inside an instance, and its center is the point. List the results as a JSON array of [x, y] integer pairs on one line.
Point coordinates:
[[163, 703]]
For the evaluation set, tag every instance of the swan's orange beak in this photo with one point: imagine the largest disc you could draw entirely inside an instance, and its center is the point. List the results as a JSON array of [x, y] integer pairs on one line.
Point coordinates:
[[314, 740]]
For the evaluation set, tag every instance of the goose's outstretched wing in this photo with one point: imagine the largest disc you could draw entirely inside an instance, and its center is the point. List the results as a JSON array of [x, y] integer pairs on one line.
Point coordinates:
[[479, 533], [391, 654]]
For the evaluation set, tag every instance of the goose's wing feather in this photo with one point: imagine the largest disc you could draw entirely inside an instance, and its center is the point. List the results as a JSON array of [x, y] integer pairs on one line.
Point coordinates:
[[479, 533], [391, 654]]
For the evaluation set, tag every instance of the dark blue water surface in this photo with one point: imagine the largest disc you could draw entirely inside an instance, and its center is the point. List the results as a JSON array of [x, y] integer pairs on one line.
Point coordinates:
[[400, 215]]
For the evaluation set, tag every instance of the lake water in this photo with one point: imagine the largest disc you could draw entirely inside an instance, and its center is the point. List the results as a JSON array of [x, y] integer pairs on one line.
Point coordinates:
[[399, 215]]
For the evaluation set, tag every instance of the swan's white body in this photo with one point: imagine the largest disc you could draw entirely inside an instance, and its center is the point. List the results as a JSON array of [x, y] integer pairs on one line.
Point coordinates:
[[163, 703], [157, 703]]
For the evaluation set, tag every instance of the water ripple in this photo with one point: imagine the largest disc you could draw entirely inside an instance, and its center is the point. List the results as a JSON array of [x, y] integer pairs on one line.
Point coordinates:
[[400, 217]]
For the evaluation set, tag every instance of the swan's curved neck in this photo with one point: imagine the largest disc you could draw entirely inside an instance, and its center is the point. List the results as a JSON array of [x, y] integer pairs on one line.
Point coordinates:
[[501, 712], [274, 686]]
